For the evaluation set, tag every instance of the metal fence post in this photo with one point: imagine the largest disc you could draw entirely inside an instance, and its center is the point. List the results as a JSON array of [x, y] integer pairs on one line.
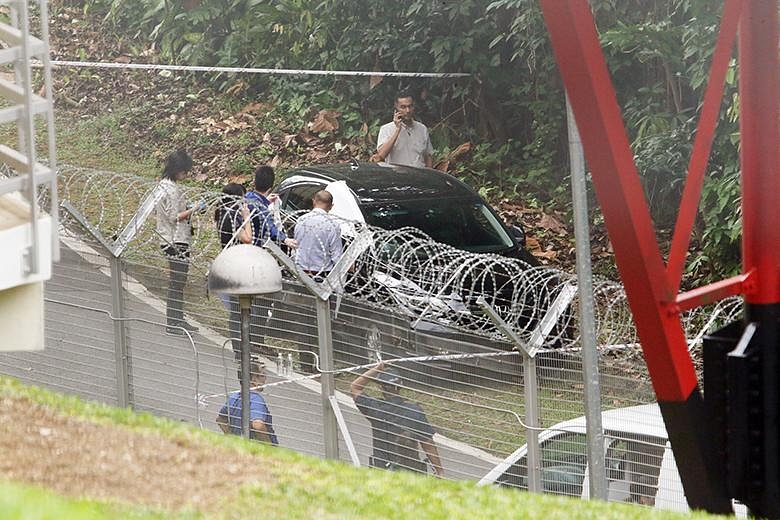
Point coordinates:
[[325, 339], [245, 304], [590, 359], [120, 333], [322, 293], [532, 420], [121, 352], [531, 389]]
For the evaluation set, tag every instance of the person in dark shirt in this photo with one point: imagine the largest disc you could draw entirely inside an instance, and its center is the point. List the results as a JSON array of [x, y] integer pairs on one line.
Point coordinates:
[[260, 200], [398, 426], [264, 228], [234, 227], [232, 215]]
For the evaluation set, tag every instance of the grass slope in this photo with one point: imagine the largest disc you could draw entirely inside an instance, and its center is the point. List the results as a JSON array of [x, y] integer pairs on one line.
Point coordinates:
[[304, 487]]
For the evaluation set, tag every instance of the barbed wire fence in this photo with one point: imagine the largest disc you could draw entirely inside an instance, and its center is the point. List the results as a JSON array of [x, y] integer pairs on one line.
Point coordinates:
[[406, 298]]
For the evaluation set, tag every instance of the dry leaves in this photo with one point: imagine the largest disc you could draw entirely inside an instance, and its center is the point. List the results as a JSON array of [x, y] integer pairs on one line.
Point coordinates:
[[551, 223], [236, 89], [373, 81], [533, 245], [231, 124], [453, 156], [255, 108], [325, 121]]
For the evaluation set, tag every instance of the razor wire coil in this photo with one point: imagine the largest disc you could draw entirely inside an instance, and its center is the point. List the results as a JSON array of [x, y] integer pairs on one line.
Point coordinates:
[[403, 269]]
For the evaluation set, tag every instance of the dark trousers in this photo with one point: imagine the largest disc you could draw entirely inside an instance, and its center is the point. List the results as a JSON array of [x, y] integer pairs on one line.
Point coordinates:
[[178, 263], [234, 326]]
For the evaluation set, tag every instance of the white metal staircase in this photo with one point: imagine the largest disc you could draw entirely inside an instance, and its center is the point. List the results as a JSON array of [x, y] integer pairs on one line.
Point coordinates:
[[28, 184]]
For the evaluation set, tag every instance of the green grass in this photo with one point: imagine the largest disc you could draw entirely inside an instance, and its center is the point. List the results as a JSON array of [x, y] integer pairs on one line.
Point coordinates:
[[98, 142], [301, 487], [32, 503]]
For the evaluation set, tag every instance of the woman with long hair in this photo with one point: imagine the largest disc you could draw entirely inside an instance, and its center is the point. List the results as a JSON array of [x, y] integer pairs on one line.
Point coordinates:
[[174, 227]]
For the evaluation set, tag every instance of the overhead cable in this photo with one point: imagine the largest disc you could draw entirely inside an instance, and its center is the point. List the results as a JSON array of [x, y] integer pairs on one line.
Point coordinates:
[[253, 70]]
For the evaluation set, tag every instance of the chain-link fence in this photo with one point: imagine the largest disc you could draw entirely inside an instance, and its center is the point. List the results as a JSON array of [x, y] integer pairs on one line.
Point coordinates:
[[464, 388]]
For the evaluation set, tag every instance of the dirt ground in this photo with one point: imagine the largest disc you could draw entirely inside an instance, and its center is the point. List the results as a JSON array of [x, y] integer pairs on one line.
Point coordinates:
[[77, 458]]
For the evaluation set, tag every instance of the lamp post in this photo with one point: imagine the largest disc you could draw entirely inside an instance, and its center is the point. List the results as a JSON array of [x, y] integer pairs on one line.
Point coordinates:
[[245, 271]]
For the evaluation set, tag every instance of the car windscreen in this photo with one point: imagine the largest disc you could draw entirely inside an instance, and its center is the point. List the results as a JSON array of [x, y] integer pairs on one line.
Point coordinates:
[[464, 224]]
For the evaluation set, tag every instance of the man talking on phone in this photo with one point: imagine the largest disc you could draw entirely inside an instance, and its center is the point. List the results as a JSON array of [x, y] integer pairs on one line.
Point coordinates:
[[404, 141]]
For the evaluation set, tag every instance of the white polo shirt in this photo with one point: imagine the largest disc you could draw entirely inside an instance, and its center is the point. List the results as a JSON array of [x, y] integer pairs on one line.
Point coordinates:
[[411, 147]]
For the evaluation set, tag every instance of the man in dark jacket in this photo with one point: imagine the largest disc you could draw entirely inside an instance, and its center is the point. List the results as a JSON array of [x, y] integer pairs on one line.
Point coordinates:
[[259, 201], [397, 425]]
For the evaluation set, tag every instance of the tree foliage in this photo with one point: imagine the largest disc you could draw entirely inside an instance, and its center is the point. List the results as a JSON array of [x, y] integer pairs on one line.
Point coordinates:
[[512, 107]]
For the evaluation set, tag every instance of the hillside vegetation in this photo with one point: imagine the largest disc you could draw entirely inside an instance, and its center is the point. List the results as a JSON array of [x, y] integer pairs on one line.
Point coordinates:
[[502, 129]]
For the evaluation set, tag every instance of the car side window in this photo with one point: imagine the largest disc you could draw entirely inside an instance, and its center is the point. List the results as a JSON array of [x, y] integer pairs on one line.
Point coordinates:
[[616, 460], [564, 461], [633, 466], [299, 197], [563, 464]]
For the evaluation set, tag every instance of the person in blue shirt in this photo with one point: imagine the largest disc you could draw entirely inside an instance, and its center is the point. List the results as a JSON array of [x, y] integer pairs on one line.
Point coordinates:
[[261, 424], [259, 200]]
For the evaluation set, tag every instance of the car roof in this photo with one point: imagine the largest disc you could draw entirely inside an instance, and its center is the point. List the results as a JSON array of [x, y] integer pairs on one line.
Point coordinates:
[[644, 420], [375, 183]]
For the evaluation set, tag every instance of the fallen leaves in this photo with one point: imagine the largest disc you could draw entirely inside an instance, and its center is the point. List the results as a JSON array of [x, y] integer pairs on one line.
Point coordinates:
[[550, 223], [534, 246], [455, 155], [547, 236], [326, 121], [237, 88], [375, 80], [232, 124], [256, 108]]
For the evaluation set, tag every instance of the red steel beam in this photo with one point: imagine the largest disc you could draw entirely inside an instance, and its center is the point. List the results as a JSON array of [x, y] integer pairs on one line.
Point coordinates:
[[759, 91], [621, 196], [760, 161], [713, 292], [650, 291]]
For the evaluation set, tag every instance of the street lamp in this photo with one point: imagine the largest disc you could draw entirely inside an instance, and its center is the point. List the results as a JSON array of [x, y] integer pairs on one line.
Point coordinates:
[[245, 271]]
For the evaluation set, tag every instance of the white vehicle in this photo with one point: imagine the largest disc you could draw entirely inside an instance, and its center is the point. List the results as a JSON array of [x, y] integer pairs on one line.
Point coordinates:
[[639, 461]]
